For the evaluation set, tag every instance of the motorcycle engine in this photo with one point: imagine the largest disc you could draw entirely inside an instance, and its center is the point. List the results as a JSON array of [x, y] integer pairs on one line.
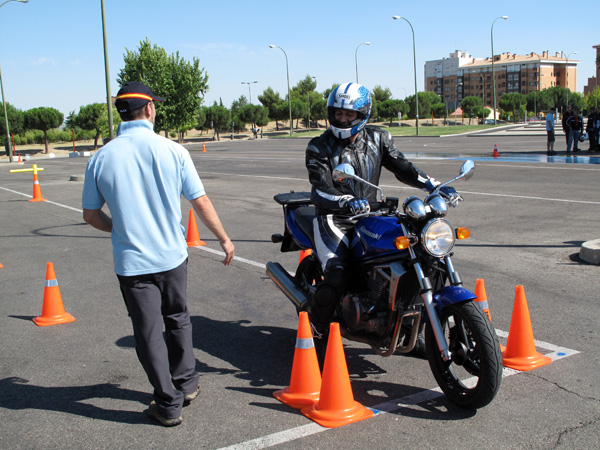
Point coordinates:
[[367, 312]]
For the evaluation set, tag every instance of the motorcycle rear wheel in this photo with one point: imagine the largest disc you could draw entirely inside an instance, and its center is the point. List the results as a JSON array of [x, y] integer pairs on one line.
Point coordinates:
[[472, 377]]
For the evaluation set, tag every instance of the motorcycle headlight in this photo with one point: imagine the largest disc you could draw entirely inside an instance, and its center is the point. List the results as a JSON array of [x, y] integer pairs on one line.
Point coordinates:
[[438, 237]]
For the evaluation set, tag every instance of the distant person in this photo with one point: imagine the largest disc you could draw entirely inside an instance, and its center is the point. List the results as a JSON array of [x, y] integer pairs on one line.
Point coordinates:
[[565, 116], [550, 131], [255, 132], [141, 176], [593, 128], [575, 124]]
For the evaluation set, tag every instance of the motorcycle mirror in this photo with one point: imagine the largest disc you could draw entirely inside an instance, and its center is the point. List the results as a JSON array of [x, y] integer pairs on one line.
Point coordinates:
[[343, 172], [467, 170]]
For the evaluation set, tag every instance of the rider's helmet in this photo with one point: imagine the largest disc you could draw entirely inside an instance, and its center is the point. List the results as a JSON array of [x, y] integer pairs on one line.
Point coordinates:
[[353, 97]]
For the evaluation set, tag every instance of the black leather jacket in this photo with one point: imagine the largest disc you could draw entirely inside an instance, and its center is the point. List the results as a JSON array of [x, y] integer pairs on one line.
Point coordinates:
[[372, 149]]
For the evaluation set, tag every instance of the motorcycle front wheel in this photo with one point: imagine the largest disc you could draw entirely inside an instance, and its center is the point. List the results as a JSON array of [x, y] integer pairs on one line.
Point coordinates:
[[471, 378]]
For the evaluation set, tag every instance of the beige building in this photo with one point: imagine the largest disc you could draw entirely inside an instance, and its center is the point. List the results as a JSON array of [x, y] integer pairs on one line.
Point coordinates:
[[592, 83], [461, 75]]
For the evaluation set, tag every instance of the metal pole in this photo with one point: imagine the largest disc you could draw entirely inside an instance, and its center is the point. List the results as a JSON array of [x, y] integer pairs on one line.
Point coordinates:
[[10, 149], [494, 73], [567, 76], [288, 86], [414, 68], [249, 93], [111, 131], [356, 57]]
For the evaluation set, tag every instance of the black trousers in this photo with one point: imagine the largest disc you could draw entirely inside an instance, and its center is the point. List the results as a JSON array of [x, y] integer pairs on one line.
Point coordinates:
[[153, 301]]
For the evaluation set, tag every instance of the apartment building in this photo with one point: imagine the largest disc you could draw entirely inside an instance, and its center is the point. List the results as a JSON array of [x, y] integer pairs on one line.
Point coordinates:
[[461, 75]]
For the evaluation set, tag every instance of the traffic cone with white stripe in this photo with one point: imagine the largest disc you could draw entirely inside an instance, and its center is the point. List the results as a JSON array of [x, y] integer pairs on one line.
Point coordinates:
[[482, 301], [495, 154], [336, 405], [37, 190], [305, 382], [53, 311]]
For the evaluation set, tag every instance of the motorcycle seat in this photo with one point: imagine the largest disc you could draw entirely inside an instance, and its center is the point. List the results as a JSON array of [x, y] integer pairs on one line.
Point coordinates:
[[304, 218], [293, 198]]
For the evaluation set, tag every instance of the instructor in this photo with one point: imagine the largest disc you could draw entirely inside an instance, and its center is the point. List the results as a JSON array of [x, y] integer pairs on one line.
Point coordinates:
[[141, 176]]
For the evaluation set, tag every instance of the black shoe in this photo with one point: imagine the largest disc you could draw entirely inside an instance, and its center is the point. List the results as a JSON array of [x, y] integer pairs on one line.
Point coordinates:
[[189, 398], [154, 414], [575, 150]]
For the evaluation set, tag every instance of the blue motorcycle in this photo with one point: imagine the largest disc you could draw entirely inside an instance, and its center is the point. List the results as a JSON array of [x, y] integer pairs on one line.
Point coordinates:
[[404, 285]]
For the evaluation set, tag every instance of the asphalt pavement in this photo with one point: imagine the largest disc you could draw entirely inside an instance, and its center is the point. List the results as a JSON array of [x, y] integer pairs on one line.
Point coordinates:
[[80, 386]]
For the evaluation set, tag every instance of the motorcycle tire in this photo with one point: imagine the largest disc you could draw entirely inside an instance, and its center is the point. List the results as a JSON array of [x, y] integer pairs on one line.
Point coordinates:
[[471, 379]]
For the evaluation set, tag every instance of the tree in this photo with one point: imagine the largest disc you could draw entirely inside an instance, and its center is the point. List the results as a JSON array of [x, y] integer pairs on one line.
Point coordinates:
[[182, 83], [591, 100], [255, 114], [44, 119], [379, 95], [16, 120], [389, 109], [513, 102], [471, 105], [426, 102], [220, 117], [272, 101]]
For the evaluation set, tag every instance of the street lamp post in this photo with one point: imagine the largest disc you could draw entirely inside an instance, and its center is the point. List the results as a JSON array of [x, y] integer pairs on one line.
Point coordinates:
[[8, 143], [494, 73], [567, 76], [249, 93], [288, 85], [111, 131], [356, 57], [414, 68]]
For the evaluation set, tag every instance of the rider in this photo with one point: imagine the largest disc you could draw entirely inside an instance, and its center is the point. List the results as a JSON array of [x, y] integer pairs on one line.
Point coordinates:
[[366, 149]]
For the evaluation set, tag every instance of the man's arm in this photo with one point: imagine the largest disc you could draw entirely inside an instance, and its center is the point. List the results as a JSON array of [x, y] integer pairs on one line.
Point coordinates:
[[207, 213], [98, 219]]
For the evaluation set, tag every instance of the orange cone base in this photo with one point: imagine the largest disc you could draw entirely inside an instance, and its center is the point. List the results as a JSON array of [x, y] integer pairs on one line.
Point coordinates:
[[195, 243], [336, 418], [296, 400], [39, 199], [525, 363], [43, 321]]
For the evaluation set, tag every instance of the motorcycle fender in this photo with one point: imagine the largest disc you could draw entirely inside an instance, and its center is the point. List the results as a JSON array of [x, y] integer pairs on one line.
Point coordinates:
[[450, 295]]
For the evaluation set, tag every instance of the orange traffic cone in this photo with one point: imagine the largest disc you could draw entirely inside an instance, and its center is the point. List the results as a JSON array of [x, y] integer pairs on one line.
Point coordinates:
[[1, 266], [37, 191], [304, 254], [336, 405], [305, 382], [193, 238], [495, 154], [481, 299], [53, 311], [520, 351], [203, 147]]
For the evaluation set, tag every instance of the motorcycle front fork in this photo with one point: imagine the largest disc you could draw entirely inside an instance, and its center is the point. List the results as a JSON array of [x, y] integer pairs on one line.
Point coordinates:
[[427, 295]]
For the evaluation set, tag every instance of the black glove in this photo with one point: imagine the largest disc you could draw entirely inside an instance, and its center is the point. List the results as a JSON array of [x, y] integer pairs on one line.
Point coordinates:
[[359, 206]]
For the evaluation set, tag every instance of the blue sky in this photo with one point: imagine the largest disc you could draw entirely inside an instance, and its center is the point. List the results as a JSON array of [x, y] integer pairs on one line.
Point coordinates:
[[51, 52]]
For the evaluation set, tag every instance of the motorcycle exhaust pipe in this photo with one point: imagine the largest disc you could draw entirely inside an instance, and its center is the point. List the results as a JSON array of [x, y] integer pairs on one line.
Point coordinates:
[[287, 284]]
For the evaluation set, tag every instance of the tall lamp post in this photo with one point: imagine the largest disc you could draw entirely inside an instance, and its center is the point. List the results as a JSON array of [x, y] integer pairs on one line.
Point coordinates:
[[494, 73], [567, 76], [414, 68], [111, 131], [8, 143], [288, 85], [356, 57], [249, 93]]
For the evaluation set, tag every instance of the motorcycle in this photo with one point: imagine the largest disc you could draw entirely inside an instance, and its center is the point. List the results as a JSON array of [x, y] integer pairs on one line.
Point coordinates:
[[403, 281]]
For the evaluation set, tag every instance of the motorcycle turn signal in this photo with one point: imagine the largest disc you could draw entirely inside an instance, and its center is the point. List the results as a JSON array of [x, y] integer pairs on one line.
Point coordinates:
[[403, 242], [462, 233]]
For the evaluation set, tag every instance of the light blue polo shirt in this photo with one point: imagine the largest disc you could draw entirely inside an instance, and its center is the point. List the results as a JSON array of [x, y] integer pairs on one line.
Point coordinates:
[[141, 177]]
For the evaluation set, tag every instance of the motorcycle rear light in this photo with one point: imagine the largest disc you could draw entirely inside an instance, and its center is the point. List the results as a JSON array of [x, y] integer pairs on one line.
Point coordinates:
[[462, 233], [402, 242]]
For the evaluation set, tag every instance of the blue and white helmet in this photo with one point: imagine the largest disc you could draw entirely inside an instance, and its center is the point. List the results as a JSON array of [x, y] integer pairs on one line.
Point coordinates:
[[353, 97]]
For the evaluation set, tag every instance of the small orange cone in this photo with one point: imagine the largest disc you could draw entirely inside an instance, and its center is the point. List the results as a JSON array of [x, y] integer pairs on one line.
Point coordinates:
[[520, 353], [481, 299], [304, 254], [495, 154], [193, 238], [336, 405], [203, 147], [53, 311], [305, 382], [37, 191], [1, 266]]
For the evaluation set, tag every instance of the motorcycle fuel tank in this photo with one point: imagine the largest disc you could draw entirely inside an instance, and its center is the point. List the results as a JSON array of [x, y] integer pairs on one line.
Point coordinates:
[[375, 235]]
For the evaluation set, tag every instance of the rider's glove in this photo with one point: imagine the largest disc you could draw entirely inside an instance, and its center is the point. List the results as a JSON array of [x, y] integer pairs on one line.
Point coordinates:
[[359, 206], [450, 194], [431, 184]]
